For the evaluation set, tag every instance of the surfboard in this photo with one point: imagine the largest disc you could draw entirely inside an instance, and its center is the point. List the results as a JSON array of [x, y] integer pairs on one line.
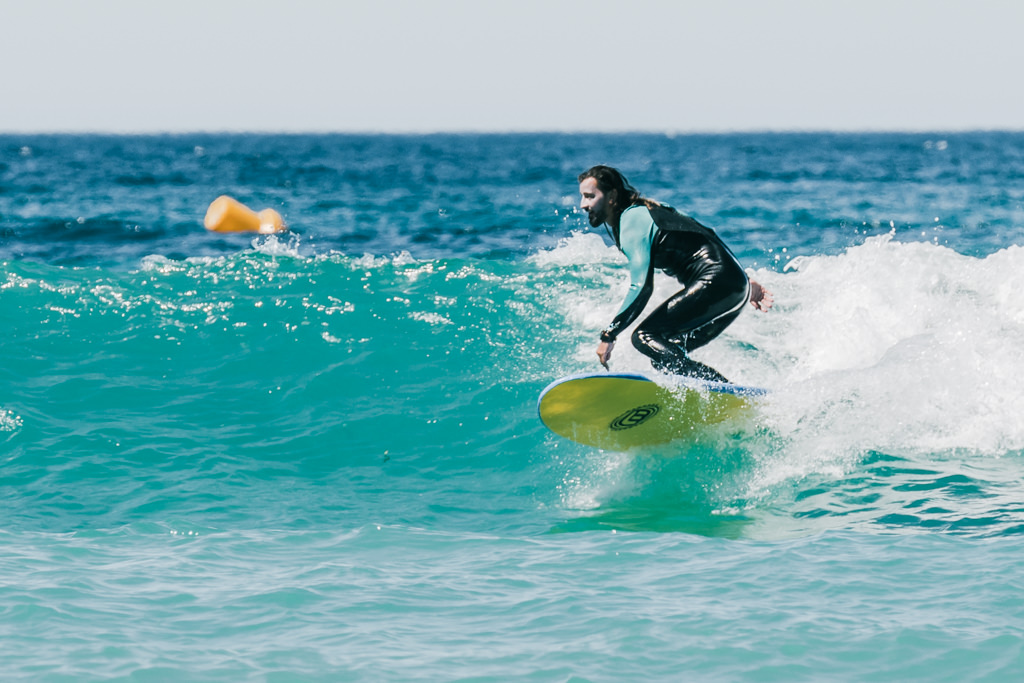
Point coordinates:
[[624, 411]]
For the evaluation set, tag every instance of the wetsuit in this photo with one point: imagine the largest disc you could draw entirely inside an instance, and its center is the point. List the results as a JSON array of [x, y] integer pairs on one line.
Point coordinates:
[[715, 288]]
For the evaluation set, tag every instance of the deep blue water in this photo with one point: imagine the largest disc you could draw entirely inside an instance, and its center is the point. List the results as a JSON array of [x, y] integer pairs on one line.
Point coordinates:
[[316, 455]]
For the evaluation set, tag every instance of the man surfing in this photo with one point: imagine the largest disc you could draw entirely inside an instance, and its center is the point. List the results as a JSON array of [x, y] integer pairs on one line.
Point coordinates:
[[656, 236]]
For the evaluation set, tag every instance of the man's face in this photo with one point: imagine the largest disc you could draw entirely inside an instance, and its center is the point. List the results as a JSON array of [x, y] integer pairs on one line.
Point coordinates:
[[593, 201]]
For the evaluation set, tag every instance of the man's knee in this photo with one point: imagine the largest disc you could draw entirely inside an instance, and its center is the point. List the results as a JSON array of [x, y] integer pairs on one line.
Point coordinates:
[[643, 340]]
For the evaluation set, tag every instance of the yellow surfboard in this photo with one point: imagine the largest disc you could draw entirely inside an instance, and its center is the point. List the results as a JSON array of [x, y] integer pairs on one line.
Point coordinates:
[[623, 411]]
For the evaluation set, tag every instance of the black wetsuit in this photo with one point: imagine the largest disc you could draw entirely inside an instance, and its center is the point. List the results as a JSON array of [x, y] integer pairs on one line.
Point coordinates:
[[715, 287]]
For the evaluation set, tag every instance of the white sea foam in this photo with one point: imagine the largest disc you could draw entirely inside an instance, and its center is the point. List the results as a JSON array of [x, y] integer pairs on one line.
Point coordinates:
[[911, 350], [577, 249], [898, 347], [278, 245], [9, 422]]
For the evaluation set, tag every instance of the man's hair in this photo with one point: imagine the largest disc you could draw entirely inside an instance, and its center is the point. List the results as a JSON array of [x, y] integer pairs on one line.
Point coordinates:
[[621, 195]]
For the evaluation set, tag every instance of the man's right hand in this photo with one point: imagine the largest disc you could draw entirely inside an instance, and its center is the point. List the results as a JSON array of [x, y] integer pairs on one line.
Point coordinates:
[[760, 298]]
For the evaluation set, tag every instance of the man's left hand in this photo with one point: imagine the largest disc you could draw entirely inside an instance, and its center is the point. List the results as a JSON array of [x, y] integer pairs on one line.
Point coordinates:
[[604, 352]]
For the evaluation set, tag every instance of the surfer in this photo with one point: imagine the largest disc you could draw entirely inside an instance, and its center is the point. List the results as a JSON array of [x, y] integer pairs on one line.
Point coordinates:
[[656, 236]]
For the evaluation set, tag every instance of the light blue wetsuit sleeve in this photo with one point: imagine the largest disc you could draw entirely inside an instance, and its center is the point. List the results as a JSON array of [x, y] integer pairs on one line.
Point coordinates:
[[637, 233]]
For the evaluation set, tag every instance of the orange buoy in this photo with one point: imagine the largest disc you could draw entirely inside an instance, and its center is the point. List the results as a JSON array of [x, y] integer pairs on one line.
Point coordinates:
[[229, 215]]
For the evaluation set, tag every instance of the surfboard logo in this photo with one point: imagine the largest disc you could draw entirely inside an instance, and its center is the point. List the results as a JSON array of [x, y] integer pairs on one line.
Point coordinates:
[[634, 417]]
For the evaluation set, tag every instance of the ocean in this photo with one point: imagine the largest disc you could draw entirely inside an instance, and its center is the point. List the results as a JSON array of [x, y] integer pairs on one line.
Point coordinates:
[[316, 456]]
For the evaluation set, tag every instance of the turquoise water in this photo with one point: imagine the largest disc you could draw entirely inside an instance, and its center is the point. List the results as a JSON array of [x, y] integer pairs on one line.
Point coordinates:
[[316, 456]]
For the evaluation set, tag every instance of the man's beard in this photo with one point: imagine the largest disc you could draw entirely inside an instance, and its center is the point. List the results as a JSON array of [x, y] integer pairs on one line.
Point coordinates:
[[596, 218]]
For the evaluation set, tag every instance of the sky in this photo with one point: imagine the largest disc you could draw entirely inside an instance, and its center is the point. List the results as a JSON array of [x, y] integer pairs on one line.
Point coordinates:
[[139, 66]]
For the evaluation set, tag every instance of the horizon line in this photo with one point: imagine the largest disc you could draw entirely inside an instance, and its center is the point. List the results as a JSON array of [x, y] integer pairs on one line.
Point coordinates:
[[670, 133]]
